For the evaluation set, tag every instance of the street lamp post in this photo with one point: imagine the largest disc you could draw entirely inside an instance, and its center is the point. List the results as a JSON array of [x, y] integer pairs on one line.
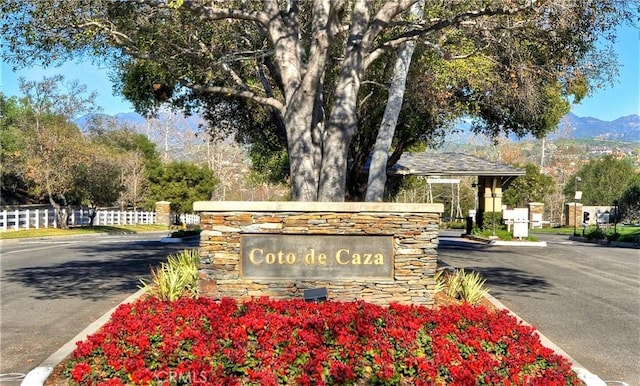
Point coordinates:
[[575, 204], [615, 217], [493, 196]]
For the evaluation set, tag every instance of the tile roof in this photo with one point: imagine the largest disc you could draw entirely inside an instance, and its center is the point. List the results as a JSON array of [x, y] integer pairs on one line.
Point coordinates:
[[452, 164]]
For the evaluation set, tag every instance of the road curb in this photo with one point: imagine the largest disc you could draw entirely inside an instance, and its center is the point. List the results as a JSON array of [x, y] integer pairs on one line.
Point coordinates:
[[38, 376], [512, 243], [606, 243], [585, 375], [519, 243]]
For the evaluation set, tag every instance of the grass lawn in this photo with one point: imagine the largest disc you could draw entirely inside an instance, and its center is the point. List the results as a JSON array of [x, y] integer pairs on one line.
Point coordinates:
[[625, 231], [49, 232], [621, 229]]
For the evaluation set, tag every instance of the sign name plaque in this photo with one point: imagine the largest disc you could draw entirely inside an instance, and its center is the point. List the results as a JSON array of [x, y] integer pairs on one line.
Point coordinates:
[[316, 257]]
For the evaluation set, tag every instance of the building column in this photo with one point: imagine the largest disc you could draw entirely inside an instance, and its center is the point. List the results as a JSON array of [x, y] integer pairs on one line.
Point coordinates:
[[489, 196]]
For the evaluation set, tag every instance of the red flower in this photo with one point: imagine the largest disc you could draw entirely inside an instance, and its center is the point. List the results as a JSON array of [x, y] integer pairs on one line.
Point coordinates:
[[274, 342], [341, 372], [80, 371]]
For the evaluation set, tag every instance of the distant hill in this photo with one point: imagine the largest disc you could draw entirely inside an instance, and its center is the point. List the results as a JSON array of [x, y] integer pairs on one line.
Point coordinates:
[[625, 129], [571, 126], [132, 119]]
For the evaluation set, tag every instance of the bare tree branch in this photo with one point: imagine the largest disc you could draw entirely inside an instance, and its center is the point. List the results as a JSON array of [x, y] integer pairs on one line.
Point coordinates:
[[237, 93]]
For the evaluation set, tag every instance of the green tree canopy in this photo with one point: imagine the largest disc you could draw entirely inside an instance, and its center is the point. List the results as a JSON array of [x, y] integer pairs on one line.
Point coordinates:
[[305, 62], [14, 188], [602, 180], [46, 158], [98, 180], [54, 146], [629, 202], [107, 131], [180, 183], [532, 187]]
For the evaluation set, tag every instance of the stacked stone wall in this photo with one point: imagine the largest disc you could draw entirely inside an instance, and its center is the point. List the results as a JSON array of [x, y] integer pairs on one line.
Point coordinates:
[[163, 213], [413, 229]]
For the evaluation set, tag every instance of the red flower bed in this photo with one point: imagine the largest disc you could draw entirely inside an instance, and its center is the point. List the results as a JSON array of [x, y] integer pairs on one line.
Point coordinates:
[[270, 342]]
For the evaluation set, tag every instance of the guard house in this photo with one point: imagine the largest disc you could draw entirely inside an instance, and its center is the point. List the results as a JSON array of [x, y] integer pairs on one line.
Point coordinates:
[[493, 177]]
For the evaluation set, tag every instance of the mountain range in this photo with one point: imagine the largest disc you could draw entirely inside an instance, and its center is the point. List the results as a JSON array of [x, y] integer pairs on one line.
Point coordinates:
[[625, 129]]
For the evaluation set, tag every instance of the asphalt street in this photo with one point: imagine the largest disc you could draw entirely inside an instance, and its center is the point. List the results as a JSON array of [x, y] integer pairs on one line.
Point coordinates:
[[583, 297], [52, 288]]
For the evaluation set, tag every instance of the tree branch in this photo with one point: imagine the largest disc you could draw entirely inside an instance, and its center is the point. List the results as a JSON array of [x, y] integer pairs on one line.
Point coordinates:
[[272, 102], [440, 24], [119, 37], [209, 12]]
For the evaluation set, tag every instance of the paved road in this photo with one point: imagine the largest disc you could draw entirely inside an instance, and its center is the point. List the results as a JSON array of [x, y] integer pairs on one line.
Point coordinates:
[[53, 288], [584, 297]]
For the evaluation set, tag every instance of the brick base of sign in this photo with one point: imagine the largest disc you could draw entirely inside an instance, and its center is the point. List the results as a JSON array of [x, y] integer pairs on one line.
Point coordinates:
[[233, 236]]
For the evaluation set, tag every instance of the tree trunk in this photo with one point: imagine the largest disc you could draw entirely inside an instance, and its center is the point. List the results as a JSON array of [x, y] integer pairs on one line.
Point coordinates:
[[341, 126], [92, 215], [380, 155], [335, 151], [61, 213], [304, 150], [302, 84], [319, 153]]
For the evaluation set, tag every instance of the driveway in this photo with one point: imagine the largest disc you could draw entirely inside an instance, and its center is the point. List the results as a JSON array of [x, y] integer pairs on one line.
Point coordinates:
[[583, 297]]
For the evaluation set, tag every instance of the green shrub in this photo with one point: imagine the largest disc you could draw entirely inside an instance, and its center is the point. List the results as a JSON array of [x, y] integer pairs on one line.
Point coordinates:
[[456, 225], [595, 234], [611, 236], [186, 233], [630, 238], [472, 289], [501, 234], [491, 218], [176, 278], [440, 282]]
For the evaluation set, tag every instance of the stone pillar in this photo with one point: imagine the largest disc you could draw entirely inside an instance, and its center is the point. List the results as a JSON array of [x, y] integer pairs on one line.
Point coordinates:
[[536, 213], [163, 213], [573, 214]]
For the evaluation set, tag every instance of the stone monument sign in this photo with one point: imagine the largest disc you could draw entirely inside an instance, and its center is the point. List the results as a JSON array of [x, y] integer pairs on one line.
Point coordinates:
[[377, 252]]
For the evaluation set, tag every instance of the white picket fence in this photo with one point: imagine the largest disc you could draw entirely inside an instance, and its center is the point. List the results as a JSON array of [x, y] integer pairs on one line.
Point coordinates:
[[18, 219]]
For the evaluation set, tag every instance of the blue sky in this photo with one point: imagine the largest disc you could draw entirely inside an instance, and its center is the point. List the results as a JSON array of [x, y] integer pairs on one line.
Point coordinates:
[[608, 103]]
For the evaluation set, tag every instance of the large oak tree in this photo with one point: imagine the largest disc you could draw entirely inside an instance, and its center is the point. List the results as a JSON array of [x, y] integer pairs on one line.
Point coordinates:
[[306, 61]]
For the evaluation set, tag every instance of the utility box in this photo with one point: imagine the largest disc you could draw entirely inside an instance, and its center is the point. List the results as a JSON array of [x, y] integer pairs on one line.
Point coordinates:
[[517, 217], [520, 228]]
